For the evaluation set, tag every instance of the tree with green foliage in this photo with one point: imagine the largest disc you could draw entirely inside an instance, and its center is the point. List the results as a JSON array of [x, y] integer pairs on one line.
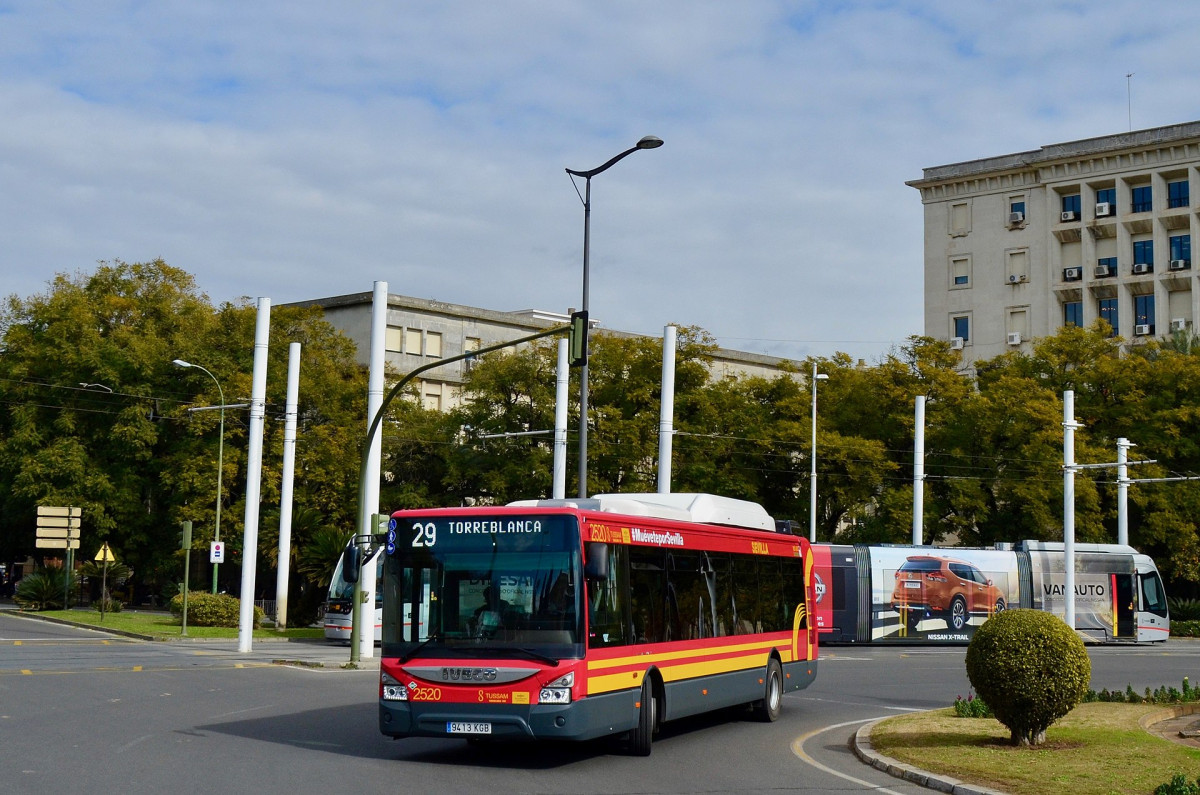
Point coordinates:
[[1030, 668]]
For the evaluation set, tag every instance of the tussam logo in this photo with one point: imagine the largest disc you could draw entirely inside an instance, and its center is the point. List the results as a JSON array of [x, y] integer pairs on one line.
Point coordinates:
[[661, 539], [468, 674]]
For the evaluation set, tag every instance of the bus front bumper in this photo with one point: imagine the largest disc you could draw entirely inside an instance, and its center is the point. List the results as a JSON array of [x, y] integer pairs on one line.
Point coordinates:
[[585, 719]]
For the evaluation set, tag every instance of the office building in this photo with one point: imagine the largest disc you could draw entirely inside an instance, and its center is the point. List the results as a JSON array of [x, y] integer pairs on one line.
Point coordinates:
[[1019, 245], [420, 330]]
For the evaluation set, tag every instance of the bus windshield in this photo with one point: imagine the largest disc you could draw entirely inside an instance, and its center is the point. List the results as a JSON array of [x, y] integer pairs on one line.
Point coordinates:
[[504, 586]]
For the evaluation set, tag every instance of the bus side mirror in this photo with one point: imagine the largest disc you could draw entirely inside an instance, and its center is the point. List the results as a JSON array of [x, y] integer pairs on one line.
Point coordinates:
[[596, 567], [351, 563]]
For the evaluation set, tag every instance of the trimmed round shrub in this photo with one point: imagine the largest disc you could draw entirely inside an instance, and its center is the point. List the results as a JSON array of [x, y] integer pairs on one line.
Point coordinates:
[[212, 610], [1030, 668]]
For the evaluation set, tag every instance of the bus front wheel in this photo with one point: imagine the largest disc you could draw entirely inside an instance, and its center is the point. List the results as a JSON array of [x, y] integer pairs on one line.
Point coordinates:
[[642, 736], [771, 705]]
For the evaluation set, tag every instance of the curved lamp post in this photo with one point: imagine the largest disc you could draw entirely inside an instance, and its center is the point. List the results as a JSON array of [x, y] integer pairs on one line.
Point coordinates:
[[812, 484], [648, 142], [220, 457]]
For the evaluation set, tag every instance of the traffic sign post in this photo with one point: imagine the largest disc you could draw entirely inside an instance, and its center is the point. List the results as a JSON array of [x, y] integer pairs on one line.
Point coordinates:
[[58, 528], [105, 555], [216, 552]]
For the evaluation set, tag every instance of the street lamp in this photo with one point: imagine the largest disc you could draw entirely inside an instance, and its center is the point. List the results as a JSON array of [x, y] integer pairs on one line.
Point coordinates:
[[220, 457], [648, 142], [812, 483]]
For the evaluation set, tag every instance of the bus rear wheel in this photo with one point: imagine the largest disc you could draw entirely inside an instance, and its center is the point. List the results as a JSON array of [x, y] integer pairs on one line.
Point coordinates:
[[771, 705], [641, 737]]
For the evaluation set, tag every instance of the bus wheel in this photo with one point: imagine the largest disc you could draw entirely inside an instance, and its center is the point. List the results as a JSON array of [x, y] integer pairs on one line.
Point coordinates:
[[641, 737], [769, 708]]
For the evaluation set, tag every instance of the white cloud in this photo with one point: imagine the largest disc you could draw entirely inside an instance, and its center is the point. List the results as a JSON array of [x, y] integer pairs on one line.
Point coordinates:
[[300, 150]]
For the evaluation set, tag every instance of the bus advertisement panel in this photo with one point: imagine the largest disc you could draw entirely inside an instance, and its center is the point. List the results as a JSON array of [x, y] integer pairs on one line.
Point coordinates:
[[938, 595], [1104, 596]]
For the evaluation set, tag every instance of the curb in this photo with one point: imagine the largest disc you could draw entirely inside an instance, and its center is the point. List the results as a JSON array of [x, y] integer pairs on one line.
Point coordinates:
[[139, 636], [860, 744]]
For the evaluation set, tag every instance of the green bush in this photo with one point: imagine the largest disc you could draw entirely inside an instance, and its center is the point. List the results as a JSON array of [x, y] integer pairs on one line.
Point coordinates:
[[1185, 628], [1178, 785], [971, 707], [108, 605], [1030, 668], [1183, 609], [212, 610], [43, 590]]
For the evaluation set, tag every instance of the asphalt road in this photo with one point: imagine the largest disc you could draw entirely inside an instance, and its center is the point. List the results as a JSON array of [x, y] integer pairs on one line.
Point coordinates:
[[83, 711]]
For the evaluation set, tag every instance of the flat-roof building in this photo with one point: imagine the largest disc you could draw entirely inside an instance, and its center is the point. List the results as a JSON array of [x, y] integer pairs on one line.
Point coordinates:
[[1017, 246], [420, 330]]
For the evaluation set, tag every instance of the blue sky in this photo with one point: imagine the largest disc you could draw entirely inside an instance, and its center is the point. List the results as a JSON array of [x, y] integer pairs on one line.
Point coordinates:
[[300, 150]]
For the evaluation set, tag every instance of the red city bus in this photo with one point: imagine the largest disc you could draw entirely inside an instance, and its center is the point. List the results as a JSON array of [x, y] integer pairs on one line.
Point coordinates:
[[575, 619]]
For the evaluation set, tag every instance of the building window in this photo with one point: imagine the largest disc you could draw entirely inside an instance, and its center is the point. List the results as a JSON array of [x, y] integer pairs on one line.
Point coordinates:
[[433, 344], [1107, 196], [412, 341], [1143, 311], [960, 219], [960, 272], [1181, 248], [1108, 312], [1177, 194], [393, 339], [1073, 313], [1143, 252], [962, 328], [1072, 204], [1106, 266], [1141, 199]]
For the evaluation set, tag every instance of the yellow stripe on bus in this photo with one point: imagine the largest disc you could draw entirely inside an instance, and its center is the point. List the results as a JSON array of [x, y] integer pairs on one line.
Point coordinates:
[[629, 680], [664, 657]]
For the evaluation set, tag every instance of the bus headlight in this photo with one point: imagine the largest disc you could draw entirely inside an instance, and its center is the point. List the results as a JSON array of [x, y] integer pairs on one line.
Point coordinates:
[[558, 691], [391, 690]]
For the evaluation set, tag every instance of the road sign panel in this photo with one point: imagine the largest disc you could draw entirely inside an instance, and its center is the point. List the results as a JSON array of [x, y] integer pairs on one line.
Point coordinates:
[[51, 510], [57, 521], [56, 543], [53, 532], [105, 554], [216, 552]]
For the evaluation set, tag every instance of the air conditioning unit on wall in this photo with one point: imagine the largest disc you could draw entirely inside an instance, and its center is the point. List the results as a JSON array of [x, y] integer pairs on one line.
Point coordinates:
[[1142, 267], [1178, 324], [1103, 209], [1072, 274], [956, 343], [1141, 329], [1014, 338], [1068, 215], [1179, 264]]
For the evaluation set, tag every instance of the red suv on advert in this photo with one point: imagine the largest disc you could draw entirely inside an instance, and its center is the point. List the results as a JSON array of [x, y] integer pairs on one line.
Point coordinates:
[[930, 587]]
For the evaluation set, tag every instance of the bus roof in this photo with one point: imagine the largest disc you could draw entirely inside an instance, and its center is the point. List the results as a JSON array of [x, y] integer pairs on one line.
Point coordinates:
[[695, 507]]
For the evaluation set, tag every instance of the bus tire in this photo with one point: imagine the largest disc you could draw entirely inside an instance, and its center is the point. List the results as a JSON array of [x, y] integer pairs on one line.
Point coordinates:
[[771, 705], [642, 736]]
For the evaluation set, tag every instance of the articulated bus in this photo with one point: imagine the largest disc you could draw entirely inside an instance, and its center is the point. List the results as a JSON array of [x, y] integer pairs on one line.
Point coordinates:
[[341, 599], [576, 619], [916, 595]]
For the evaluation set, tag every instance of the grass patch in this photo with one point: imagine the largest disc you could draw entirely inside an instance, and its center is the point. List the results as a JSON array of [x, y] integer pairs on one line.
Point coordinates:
[[164, 626], [1097, 748]]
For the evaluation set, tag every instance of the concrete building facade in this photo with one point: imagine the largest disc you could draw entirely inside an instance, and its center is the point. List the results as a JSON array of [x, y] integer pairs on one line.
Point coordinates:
[[420, 330], [1017, 246]]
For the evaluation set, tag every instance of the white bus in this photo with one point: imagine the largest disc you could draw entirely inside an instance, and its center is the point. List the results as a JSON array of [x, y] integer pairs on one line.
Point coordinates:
[[341, 599]]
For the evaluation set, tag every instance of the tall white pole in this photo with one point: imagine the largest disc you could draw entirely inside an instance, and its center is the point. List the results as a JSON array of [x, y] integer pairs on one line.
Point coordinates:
[[285, 492], [1123, 446], [666, 411], [258, 409], [560, 420], [812, 483], [1069, 426], [375, 377], [919, 473]]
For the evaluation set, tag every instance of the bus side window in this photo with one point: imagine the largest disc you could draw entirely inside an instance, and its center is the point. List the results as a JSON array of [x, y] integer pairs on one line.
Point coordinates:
[[606, 603]]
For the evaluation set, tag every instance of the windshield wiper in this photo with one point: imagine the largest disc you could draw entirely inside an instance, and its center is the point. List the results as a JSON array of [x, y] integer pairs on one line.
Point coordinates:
[[413, 651], [530, 653]]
